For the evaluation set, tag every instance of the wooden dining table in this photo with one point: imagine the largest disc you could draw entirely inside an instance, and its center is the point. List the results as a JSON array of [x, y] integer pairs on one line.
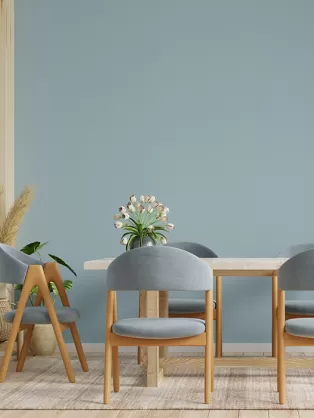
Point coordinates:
[[155, 304]]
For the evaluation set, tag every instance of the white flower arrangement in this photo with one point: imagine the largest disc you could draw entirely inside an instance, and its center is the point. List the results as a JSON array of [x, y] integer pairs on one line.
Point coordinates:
[[144, 218]]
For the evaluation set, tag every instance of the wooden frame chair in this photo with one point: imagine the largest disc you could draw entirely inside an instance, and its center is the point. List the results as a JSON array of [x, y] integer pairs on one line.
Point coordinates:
[[149, 269], [18, 268], [295, 274], [298, 308], [200, 251]]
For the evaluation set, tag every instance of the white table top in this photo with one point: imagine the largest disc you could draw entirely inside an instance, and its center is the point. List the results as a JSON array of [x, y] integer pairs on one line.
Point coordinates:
[[220, 266]]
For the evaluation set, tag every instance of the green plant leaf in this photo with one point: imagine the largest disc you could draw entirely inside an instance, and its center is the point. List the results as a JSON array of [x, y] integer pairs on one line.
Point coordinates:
[[62, 263], [161, 235], [18, 287], [54, 288], [33, 247], [127, 233], [130, 228], [132, 220], [68, 284], [34, 290], [160, 228], [130, 242]]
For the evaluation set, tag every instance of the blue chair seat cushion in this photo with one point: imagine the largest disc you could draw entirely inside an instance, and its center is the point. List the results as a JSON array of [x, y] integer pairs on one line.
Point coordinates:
[[300, 327], [39, 315], [159, 328], [187, 306], [300, 307]]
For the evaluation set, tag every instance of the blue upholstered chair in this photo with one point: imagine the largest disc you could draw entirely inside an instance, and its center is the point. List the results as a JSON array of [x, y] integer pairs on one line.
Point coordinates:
[[157, 269], [19, 268], [195, 308], [296, 274], [298, 308]]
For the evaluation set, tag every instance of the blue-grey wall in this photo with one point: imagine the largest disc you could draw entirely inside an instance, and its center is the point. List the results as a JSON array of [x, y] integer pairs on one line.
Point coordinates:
[[206, 104]]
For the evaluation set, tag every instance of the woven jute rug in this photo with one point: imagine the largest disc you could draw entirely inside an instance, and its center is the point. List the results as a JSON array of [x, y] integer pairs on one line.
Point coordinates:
[[43, 385]]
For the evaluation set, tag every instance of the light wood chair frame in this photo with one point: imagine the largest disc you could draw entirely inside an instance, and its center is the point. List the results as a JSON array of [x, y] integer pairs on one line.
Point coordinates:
[[38, 276], [286, 340], [217, 316], [113, 342]]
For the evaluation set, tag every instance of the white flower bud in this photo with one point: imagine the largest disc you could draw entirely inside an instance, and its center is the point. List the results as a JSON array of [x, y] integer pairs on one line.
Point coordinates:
[[125, 215], [146, 198], [152, 199], [124, 241], [150, 228], [155, 204], [133, 198], [163, 219], [141, 209], [131, 208], [122, 209], [166, 210], [163, 240], [170, 227], [117, 216], [160, 208], [118, 225], [150, 209], [142, 198]]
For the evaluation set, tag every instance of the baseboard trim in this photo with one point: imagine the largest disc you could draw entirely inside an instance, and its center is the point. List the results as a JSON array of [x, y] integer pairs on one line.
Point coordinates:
[[227, 348]]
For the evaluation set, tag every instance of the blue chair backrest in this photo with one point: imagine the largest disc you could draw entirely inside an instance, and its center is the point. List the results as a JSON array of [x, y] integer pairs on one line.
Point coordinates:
[[298, 272], [199, 250], [159, 268], [14, 265], [296, 249]]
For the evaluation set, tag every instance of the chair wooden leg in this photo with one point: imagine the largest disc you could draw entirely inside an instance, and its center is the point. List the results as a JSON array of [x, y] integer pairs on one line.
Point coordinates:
[[24, 351], [9, 349], [79, 348], [139, 355], [115, 369], [274, 314], [58, 333], [281, 374], [281, 377], [209, 345], [28, 283], [212, 370], [63, 350], [19, 344], [139, 352], [107, 372], [218, 316]]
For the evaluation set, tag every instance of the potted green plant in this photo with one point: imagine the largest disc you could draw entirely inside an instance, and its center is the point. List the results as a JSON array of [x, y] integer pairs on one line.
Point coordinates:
[[43, 339], [145, 222]]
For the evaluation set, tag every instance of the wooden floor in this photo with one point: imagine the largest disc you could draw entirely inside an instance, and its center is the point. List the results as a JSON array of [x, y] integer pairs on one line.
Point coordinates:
[[165, 413], [157, 414]]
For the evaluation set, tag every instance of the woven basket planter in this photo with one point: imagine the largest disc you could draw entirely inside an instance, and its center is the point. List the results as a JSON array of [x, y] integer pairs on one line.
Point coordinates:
[[5, 327]]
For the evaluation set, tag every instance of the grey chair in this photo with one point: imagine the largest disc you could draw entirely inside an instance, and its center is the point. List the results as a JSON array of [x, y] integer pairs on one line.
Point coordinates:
[[295, 274], [19, 268], [298, 308], [157, 269], [195, 308]]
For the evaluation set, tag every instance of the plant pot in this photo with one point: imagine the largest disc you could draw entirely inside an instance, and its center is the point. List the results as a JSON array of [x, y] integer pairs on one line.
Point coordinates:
[[43, 342], [146, 242], [5, 327]]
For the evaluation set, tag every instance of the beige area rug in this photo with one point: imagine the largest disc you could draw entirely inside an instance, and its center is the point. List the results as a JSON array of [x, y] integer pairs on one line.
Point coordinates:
[[43, 385]]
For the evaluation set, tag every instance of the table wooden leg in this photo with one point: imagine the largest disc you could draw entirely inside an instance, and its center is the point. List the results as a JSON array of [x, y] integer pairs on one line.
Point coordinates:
[[218, 316], [142, 351], [274, 313], [163, 313], [154, 374]]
